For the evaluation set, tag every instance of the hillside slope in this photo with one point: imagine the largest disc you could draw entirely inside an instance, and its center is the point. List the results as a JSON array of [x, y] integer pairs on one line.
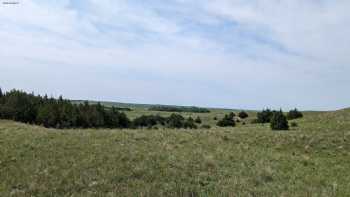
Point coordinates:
[[310, 160]]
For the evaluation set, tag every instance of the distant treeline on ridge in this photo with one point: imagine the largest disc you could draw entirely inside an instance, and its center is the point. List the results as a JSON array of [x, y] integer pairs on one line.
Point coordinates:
[[178, 109], [61, 113]]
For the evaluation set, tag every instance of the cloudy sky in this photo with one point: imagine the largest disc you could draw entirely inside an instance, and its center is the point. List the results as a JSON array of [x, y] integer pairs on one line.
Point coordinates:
[[220, 53]]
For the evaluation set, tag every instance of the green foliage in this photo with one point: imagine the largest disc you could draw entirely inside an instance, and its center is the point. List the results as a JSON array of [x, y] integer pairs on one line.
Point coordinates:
[[149, 121], [190, 124], [243, 115], [58, 113], [264, 116], [294, 114], [179, 109], [227, 121], [175, 121], [198, 120], [279, 121]]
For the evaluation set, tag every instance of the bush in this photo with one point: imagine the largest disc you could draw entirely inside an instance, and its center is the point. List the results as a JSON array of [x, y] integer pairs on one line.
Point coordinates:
[[206, 126], [227, 121], [294, 124], [190, 124], [175, 121], [243, 115], [215, 118], [265, 116], [279, 121], [198, 120], [294, 114]]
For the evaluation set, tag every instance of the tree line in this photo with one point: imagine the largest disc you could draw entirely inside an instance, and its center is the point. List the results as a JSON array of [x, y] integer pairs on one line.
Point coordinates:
[[178, 109], [62, 113], [58, 113], [277, 119]]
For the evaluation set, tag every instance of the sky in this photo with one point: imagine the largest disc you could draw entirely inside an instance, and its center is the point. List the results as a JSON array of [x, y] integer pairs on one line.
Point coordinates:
[[242, 54]]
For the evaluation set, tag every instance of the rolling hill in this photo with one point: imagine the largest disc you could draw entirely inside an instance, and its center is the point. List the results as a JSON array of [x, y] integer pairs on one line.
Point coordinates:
[[248, 160]]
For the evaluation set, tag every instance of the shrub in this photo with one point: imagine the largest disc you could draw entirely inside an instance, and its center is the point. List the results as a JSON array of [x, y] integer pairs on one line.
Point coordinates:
[[294, 114], [227, 121], [190, 124], [265, 116], [198, 120], [294, 124], [279, 121], [206, 126], [243, 115], [232, 115], [175, 121], [215, 118], [148, 121]]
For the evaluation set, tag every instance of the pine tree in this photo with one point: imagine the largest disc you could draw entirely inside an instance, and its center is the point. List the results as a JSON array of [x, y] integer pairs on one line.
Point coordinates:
[[175, 121], [294, 114], [243, 115], [279, 121], [264, 116], [227, 121], [198, 120], [190, 124]]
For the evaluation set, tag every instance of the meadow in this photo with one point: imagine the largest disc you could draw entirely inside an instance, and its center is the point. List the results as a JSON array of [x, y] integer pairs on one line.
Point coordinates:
[[312, 159]]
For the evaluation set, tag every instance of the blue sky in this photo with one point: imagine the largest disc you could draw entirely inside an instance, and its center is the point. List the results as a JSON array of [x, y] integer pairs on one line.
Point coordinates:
[[218, 53]]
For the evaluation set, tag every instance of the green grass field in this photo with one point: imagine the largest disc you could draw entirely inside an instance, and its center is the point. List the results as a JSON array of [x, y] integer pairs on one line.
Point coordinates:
[[312, 159]]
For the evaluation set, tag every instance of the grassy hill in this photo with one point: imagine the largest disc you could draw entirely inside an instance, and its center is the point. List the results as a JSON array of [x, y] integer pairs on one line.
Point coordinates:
[[248, 160]]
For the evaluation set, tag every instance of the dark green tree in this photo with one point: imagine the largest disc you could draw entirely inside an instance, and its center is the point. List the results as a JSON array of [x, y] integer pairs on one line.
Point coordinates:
[[243, 115], [190, 124], [294, 114], [279, 121], [227, 121], [175, 121], [264, 116], [198, 120]]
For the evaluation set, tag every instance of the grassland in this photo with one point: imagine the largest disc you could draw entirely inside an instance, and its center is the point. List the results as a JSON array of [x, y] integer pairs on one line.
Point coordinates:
[[312, 159]]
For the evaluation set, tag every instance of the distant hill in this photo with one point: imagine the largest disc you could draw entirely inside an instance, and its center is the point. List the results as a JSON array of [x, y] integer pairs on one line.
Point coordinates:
[[143, 106], [115, 104]]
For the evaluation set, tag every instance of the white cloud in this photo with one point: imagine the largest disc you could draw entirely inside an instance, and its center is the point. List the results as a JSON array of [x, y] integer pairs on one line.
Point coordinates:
[[232, 49]]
